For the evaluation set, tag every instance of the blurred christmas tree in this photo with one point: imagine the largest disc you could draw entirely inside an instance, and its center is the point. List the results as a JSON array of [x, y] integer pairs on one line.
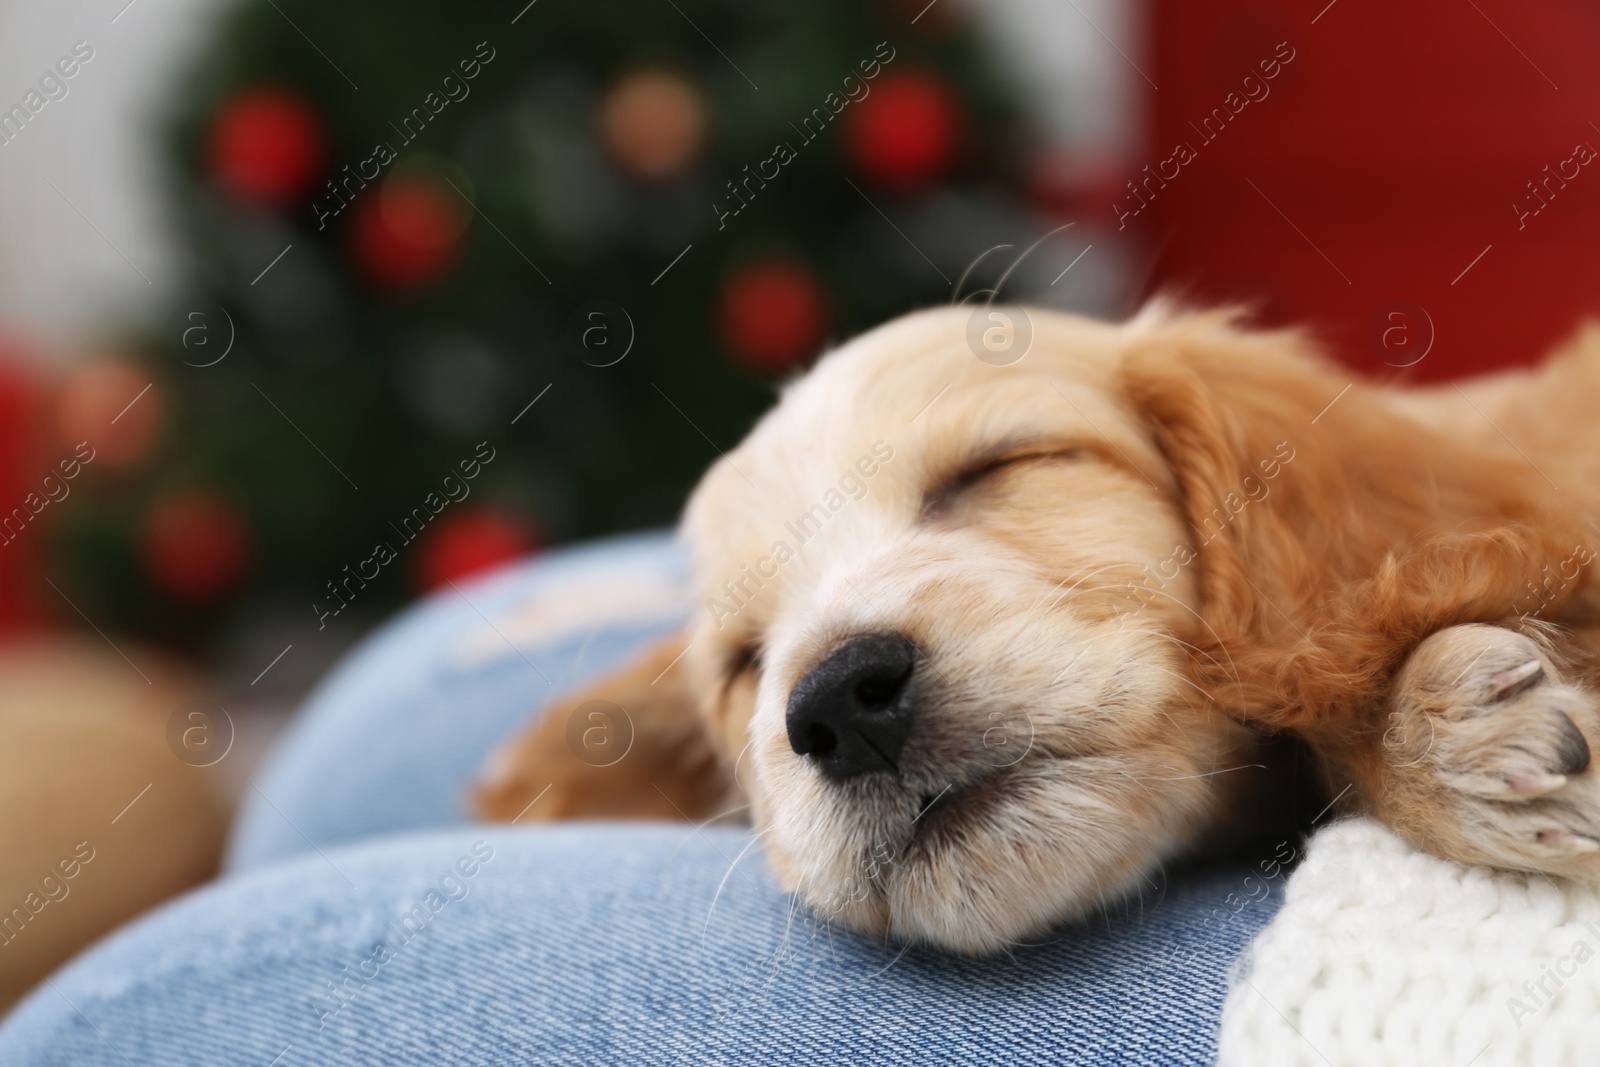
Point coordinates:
[[407, 221]]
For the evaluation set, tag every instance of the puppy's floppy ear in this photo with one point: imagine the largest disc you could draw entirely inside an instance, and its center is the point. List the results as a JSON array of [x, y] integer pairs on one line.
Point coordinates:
[[631, 745], [1331, 531]]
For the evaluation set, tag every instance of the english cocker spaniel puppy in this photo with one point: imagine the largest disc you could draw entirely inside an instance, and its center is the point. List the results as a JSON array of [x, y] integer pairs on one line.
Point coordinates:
[[982, 645]]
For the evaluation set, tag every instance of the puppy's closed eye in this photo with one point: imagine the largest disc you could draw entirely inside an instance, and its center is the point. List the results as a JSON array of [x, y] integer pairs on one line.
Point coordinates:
[[746, 659], [741, 673], [940, 499]]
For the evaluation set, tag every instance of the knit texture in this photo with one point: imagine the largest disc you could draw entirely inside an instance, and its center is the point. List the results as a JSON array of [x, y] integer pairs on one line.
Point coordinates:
[[1382, 954]]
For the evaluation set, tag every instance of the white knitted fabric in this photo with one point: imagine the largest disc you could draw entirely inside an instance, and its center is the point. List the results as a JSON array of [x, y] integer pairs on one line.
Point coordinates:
[[1384, 955]]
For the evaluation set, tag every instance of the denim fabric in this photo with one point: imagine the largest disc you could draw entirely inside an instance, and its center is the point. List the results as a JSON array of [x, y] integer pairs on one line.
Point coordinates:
[[582, 944], [607, 945], [392, 738]]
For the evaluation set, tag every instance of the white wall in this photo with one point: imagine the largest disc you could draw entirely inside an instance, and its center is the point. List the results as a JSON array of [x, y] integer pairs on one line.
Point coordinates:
[[59, 279], [1066, 54]]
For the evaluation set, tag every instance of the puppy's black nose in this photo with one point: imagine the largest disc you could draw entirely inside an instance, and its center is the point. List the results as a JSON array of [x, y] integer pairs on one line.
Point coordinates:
[[852, 712]]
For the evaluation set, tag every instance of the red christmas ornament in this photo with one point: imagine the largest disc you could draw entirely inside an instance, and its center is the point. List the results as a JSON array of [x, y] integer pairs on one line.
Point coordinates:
[[469, 541], [904, 134], [266, 146], [409, 234], [196, 546], [772, 315]]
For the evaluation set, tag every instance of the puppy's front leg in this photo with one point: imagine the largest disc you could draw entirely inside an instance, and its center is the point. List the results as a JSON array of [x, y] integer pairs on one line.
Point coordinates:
[[1486, 753]]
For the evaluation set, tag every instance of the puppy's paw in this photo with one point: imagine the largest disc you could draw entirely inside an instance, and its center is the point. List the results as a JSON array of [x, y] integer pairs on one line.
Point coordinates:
[[1487, 754]]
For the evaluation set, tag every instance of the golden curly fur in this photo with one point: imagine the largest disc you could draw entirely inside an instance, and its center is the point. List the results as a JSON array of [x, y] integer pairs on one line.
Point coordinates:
[[1123, 561]]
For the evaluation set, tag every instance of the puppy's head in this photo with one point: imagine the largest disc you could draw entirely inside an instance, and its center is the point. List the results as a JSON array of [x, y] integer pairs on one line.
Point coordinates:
[[943, 632], [958, 625]]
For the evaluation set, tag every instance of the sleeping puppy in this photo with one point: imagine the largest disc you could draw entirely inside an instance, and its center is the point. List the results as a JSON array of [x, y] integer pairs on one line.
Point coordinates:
[[981, 646]]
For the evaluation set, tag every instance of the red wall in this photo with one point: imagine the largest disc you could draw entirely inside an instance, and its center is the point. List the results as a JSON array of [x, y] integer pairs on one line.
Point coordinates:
[[21, 467], [1396, 139]]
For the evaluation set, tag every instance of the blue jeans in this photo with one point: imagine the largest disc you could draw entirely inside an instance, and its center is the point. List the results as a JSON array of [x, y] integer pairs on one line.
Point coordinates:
[[345, 934]]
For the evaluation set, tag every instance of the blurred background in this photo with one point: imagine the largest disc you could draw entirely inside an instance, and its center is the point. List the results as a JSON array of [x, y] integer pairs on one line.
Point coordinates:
[[309, 309], [283, 266]]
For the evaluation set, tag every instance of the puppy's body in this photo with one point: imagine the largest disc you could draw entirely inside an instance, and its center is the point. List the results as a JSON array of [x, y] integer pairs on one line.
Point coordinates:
[[981, 644], [1544, 416]]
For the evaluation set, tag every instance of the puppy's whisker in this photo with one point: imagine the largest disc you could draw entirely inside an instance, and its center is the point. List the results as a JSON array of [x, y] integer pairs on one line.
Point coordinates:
[[1104, 635], [702, 824], [1030, 944], [1018, 261], [740, 756], [955, 294], [891, 963], [1083, 578], [1215, 662], [1221, 644], [783, 943], [1113, 588], [1139, 784], [726, 812], [1162, 712], [704, 930], [1161, 869]]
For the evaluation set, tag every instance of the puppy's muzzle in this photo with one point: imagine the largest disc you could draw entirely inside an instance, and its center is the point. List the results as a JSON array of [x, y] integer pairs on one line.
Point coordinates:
[[851, 714]]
